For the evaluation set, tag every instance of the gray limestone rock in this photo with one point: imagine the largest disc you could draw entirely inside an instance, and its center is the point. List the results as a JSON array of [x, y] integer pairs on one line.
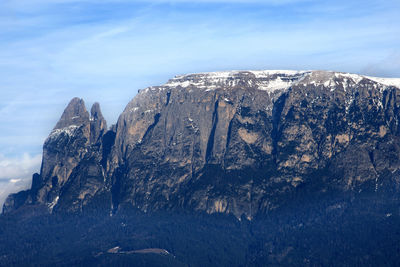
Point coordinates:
[[243, 143]]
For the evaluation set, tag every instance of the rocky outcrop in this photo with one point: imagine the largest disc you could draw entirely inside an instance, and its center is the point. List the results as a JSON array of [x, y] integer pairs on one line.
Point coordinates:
[[72, 150], [243, 143]]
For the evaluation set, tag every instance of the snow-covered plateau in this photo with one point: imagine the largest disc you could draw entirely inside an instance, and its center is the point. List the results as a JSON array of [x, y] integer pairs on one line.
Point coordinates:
[[272, 80]]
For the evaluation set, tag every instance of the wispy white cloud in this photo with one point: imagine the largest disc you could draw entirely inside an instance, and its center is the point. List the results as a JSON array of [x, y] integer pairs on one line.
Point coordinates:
[[19, 167], [16, 173]]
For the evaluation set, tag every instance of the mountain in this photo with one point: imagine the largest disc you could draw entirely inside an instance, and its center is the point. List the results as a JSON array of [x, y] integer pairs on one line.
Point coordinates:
[[246, 144], [228, 142]]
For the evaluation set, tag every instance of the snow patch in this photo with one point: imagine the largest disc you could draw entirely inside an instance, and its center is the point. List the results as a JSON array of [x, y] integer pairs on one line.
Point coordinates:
[[386, 81], [177, 83], [355, 77], [268, 80], [53, 203], [69, 130], [267, 73]]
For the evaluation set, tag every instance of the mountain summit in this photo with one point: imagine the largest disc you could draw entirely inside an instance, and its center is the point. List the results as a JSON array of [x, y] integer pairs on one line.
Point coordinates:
[[241, 142], [74, 114]]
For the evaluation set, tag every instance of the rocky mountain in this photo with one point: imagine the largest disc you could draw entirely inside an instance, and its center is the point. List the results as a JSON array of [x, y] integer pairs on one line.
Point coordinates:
[[240, 168], [245, 143]]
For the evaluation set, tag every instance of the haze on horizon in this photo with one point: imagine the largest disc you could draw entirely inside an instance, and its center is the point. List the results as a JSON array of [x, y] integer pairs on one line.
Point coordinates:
[[52, 51]]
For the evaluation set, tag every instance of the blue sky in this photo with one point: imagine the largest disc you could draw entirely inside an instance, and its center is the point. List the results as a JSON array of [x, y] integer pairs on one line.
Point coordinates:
[[53, 50]]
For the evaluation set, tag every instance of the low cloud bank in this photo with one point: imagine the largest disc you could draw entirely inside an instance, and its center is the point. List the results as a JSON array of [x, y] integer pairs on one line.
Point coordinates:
[[16, 173]]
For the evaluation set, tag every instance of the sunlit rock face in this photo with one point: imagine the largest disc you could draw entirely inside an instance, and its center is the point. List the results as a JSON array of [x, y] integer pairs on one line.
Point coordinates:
[[239, 142]]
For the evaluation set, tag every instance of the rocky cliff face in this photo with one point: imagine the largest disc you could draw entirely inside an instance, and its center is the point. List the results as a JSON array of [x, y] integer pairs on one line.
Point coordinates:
[[71, 168], [242, 143]]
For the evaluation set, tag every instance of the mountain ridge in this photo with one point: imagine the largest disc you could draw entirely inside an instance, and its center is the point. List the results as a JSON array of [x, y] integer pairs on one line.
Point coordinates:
[[266, 73], [238, 142]]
